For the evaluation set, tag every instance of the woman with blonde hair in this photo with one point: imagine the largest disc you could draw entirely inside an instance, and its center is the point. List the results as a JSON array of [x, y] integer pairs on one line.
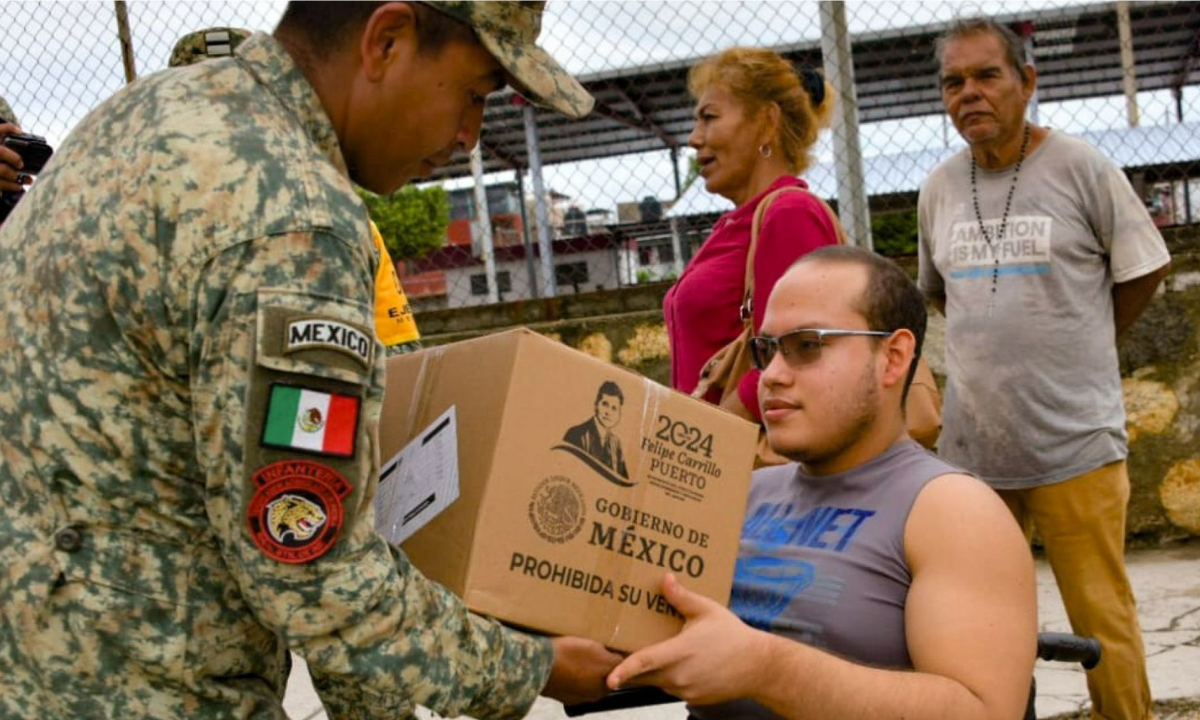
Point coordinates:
[[757, 119]]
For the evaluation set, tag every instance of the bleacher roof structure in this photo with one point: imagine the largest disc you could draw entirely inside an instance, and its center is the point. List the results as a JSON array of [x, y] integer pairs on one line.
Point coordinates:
[[647, 108], [1129, 148]]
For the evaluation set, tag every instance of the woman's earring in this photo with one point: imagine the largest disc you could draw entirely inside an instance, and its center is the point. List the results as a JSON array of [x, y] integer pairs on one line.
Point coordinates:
[[764, 150]]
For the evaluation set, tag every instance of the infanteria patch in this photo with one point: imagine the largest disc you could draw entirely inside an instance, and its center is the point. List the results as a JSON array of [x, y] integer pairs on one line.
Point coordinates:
[[296, 513], [322, 333], [556, 509]]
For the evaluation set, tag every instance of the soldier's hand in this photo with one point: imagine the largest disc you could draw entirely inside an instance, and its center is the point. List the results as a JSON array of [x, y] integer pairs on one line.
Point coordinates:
[[11, 177], [580, 667]]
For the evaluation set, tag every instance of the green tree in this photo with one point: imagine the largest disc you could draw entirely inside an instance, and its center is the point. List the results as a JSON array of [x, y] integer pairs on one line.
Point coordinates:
[[412, 220], [895, 233]]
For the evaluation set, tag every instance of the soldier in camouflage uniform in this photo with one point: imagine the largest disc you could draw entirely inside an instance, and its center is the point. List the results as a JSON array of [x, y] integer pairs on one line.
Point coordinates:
[[190, 387], [394, 322]]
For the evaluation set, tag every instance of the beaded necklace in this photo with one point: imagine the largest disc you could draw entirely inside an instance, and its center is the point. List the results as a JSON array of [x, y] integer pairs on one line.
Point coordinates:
[[1003, 229]]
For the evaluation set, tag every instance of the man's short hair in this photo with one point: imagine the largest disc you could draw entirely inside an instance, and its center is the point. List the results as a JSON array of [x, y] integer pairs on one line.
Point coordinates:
[[327, 25], [611, 389], [891, 300], [1014, 46]]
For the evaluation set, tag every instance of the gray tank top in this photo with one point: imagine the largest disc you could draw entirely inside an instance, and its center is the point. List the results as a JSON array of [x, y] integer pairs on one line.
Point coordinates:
[[822, 559]]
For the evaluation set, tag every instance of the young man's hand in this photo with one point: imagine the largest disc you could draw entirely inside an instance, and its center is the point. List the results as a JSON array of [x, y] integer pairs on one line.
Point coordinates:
[[713, 659]]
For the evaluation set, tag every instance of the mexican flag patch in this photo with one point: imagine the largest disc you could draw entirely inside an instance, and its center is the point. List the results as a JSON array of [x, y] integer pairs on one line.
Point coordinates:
[[319, 422]]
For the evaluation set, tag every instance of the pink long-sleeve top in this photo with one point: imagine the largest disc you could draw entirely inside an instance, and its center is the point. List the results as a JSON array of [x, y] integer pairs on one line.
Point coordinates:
[[701, 309]]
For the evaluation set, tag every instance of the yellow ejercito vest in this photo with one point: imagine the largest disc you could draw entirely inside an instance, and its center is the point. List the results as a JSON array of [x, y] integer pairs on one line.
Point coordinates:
[[394, 322]]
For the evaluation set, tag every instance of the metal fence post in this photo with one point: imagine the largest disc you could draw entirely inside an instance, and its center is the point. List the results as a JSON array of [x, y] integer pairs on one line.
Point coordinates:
[[483, 224], [534, 291], [839, 70], [675, 171], [1027, 31], [677, 246], [126, 41], [549, 282], [1128, 70]]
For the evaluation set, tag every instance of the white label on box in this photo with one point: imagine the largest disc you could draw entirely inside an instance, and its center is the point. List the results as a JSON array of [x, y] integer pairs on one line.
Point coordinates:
[[420, 481]]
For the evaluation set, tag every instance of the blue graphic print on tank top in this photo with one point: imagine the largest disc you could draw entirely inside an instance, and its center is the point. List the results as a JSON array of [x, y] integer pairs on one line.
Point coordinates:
[[822, 558], [822, 561]]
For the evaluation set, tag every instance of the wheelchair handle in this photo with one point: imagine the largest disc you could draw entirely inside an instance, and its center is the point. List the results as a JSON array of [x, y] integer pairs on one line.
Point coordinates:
[[1065, 647]]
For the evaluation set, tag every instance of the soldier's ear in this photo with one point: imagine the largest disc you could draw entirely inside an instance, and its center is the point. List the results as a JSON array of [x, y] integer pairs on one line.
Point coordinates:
[[389, 36]]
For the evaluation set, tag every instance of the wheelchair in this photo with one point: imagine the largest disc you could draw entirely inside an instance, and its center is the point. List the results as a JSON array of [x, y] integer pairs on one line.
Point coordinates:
[[1054, 647]]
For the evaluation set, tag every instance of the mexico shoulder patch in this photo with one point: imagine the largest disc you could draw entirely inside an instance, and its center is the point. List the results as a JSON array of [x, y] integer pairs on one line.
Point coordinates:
[[299, 418], [323, 333], [296, 514]]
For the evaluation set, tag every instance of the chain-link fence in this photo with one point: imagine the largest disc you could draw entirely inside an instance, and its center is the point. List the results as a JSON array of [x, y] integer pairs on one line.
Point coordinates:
[[612, 200]]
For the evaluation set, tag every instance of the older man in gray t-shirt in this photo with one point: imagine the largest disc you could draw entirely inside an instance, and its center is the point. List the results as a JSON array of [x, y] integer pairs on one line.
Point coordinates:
[[1039, 253], [1033, 393]]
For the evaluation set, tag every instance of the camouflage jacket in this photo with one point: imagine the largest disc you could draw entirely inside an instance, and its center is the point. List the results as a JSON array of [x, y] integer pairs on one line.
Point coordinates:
[[191, 261]]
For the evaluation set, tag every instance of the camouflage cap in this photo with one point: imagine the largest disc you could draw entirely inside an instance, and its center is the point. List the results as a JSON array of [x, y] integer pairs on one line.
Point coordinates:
[[208, 43], [509, 30]]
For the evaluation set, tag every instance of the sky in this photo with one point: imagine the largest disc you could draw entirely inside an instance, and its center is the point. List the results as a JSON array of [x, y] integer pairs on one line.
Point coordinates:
[[62, 58]]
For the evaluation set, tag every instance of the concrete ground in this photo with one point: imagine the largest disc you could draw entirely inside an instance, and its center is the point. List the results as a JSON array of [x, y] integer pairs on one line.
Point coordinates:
[[1167, 584]]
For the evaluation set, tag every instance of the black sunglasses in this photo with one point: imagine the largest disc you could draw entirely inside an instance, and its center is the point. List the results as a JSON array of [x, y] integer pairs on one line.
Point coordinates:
[[800, 347]]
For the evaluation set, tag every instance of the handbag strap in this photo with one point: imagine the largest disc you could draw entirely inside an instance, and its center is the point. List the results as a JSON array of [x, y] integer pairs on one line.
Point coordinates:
[[746, 311]]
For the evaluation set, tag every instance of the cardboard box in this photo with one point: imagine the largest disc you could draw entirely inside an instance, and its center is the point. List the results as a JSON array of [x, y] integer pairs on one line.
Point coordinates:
[[556, 527]]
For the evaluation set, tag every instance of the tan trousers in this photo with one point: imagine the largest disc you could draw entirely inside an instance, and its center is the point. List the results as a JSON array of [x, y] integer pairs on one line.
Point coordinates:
[[1082, 525]]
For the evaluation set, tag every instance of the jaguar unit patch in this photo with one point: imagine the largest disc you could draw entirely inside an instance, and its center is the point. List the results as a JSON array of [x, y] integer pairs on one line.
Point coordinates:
[[296, 513]]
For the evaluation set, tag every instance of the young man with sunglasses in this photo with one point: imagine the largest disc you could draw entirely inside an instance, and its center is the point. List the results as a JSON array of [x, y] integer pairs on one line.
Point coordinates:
[[874, 580]]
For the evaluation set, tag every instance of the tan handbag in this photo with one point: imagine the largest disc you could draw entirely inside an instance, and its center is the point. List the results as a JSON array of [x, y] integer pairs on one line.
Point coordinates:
[[922, 409], [727, 365]]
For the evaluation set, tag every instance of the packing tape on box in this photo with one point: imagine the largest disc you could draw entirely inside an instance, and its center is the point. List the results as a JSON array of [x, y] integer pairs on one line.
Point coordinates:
[[427, 377], [612, 566]]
